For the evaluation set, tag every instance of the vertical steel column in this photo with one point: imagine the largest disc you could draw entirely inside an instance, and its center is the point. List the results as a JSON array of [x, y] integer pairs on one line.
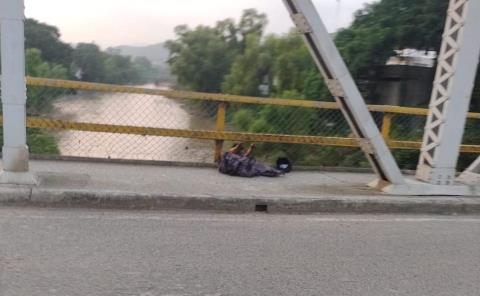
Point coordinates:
[[452, 91], [343, 88], [14, 96]]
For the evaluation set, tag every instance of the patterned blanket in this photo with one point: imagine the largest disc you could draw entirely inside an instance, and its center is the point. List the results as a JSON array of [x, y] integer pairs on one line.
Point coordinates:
[[244, 166]]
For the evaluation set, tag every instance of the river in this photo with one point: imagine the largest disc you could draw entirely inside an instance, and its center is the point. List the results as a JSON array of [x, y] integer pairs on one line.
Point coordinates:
[[134, 110]]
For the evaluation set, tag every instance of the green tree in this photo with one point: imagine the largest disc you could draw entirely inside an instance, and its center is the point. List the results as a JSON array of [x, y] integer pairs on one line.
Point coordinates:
[[384, 26], [119, 69], [315, 88], [46, 38], [39, 98], [229, 32], [250, 69], [200, 58], [145, 71], [37, 67], [251, 23], [89, 62], [123, 70]]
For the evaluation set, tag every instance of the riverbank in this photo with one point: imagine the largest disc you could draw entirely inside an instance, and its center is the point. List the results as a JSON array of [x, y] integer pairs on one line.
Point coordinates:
[[132, 110]]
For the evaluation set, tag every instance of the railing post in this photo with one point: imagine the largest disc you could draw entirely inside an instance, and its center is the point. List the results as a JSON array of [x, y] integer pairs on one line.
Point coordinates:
[[14, 94], [222, 109], [386, 126]]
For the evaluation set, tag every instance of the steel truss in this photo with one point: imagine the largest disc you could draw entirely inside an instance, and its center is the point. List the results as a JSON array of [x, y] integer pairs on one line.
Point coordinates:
[[452, 91], [343, 88], [448, 110]]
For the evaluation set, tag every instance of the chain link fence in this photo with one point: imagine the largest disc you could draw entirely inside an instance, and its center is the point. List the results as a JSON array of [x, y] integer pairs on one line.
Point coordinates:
[[124, 109], [153, 123]]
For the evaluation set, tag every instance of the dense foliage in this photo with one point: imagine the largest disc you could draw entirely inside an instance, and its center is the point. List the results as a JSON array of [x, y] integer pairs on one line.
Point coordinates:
[[381, 27], [202, 57], [85, 61], [220, 59]]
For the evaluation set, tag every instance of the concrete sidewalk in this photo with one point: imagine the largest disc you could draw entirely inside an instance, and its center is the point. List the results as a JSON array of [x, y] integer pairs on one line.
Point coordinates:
[[105, 185]]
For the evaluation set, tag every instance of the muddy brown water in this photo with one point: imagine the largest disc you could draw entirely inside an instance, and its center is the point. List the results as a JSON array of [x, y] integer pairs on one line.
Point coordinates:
[[133, 110]]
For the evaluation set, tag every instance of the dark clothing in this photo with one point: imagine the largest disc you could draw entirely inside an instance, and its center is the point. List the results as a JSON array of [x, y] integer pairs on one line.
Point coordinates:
[[244, 166]]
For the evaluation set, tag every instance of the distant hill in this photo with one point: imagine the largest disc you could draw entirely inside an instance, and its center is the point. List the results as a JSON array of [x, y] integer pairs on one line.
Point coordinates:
[[156, 53]]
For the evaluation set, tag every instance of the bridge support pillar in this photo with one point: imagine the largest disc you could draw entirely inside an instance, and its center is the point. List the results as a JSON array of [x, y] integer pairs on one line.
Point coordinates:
[[452, 91], [346, 93], [14, 95]]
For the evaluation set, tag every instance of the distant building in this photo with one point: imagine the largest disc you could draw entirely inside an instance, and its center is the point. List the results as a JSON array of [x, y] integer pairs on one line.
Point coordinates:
[[406, 79], [264, 88], [413, 57]]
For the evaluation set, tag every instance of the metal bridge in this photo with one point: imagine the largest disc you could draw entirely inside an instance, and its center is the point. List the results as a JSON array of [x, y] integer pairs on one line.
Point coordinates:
[[445, 119]]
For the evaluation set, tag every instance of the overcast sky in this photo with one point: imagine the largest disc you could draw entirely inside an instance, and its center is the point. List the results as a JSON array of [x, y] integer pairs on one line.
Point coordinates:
[[142, 22]]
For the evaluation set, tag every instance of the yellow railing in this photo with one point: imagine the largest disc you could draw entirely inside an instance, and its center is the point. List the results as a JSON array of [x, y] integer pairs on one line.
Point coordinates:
[[219, 134]]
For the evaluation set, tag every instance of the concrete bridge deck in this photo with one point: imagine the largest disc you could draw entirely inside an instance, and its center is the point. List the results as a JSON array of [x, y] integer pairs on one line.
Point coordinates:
[[95, 184]]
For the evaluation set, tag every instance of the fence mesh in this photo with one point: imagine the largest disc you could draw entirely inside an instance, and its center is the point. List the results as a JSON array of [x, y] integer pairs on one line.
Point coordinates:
[[120, 109], [407, 127], [154, 111]]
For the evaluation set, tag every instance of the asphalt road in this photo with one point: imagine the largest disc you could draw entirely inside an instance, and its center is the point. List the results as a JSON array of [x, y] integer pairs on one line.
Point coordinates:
[[86, 252]]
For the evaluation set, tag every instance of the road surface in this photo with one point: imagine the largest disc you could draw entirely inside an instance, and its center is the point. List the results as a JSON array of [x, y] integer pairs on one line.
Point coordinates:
[[90, 252]]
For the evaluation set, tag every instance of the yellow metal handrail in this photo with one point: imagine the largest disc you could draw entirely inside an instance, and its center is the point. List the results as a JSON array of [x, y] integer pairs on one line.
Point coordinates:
[[219, 135], [174, 94]]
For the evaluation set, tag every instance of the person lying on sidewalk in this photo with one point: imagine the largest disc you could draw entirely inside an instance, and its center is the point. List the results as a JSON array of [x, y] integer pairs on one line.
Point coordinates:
[[236, 162]]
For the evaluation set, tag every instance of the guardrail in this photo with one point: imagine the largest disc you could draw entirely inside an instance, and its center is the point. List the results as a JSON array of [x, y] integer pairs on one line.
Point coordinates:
[[219, 135]]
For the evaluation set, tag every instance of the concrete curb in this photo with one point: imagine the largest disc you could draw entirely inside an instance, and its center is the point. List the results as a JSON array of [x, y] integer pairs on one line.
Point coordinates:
[[15, 194], [41, 197], [300, 168]]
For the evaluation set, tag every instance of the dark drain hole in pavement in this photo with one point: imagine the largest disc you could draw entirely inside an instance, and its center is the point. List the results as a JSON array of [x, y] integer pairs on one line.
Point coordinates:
[[261, 208]]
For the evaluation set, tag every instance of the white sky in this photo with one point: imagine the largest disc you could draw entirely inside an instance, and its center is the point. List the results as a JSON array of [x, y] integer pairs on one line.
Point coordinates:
[[142, 22]]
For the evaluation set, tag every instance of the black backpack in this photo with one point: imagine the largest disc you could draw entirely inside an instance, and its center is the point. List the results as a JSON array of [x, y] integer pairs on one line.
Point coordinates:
[[284, 165]]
